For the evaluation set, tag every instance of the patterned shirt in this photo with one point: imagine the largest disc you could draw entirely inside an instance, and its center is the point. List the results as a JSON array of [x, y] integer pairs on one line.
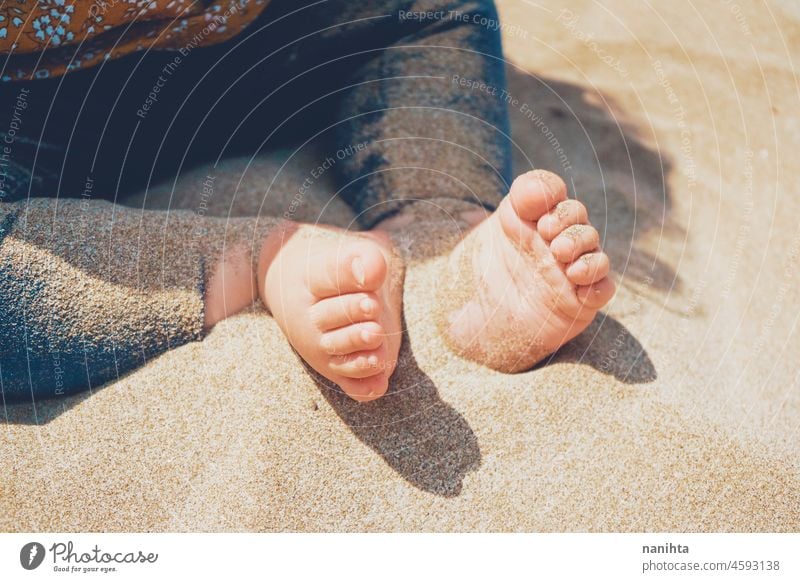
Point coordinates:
[[45, 38]]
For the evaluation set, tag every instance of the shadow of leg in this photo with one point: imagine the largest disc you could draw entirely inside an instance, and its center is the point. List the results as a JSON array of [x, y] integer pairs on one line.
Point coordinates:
[[421, 437]]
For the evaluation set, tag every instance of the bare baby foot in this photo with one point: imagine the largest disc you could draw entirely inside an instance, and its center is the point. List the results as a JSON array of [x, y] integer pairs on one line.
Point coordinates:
[[337, 297], [526, 280]]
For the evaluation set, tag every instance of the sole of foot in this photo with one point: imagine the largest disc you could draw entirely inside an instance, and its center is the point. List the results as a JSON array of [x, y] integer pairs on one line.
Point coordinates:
[[526, 279]]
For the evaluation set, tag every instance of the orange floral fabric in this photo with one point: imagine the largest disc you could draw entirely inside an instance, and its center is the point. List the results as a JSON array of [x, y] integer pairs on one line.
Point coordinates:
[[45, 38]]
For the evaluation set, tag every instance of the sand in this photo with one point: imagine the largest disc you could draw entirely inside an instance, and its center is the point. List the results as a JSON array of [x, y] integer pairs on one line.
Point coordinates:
[[677, 410]]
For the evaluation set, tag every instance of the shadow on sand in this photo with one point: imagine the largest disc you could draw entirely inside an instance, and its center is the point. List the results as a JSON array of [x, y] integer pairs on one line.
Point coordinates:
[[419, 435]]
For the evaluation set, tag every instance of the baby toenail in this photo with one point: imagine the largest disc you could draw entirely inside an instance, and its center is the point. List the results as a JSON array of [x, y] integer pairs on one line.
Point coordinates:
[[358, 271], [365, 335], [372, 360], [327, 344], [366, 306]]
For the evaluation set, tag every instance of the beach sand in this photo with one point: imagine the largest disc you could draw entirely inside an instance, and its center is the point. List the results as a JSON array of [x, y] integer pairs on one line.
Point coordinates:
[[678, 409]]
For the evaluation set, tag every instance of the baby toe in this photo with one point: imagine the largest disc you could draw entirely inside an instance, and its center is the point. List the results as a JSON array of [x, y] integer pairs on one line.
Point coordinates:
[[344, 310], [353, 338], [575, 241], [589, 268], [359, 364], [597, 294], [564, 215], [534, 193], [365, 389], [348, 268]]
